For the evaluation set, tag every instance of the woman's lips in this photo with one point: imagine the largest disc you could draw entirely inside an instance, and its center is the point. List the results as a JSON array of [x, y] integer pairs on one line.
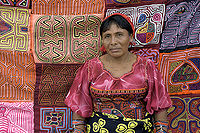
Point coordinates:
[[114, 49]]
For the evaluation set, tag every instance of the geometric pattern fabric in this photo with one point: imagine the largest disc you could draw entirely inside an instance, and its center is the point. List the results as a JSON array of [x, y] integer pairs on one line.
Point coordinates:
[[67, 7], [16, 3], [14, 28], [150, 53], [16, 117], [52, 119], [17, 80], [65, 39], [182, 26], [181, 71], [131, 3], [52, 85], [184, 115]]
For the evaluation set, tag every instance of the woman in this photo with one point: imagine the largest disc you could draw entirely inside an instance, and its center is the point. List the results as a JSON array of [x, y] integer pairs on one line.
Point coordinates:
[[119, 91]]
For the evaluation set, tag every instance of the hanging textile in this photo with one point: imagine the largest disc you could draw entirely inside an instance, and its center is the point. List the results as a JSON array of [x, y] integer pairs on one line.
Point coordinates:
[[65, 39], [182, 26]]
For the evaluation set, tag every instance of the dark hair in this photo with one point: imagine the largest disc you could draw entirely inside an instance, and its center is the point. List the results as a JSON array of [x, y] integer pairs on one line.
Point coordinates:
[[118, 20]]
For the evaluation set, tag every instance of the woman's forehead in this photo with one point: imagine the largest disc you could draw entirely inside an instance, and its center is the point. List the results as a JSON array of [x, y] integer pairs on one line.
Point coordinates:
[[114, 26]]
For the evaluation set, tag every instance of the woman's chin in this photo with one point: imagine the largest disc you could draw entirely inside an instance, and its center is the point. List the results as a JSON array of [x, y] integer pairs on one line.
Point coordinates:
[[115, 54]]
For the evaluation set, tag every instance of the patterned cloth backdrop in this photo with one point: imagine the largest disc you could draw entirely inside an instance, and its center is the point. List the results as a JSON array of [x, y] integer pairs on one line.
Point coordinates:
[[152, 54], [17, 71], [173, 1], [181, 71], [14, 29], [16, 117], [52, 85], [182, 26], [17, 76], [184, 115], [17, 68], [149, 51], [16, 3], [147, 20], [131, 3], [67, 7], [65, 39]]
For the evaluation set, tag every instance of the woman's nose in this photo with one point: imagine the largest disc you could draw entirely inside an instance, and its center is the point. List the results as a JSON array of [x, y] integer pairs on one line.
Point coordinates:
[[113, 41]]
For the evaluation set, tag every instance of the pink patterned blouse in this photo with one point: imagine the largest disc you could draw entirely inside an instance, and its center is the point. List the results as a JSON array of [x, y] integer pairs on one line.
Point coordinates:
[[132, 95]]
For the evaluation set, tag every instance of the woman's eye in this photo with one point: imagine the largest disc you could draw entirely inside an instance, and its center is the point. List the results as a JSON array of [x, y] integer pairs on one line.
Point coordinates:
[[120, 34], [107, 36]]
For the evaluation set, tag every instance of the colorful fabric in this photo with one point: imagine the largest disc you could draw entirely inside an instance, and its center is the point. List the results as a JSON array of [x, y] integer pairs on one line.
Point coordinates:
[[17, 80], [184, 115], [65, 39], [181, 71], [67, 7], [150, 53], [52, 119], [131, 3], [78, 130], [93, 74], [16, 117], [77, 122], [52, 85], [159, 127], [14, 29], [107, 123], [173, 1], [16, 3], [182, 26], [148, 21], [130, 103]]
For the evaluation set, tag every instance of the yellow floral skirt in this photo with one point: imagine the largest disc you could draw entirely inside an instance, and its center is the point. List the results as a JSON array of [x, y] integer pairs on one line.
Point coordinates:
[[109, 123]]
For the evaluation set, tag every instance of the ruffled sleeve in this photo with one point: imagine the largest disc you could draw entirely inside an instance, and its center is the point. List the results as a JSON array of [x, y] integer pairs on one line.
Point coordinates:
[[78, 98], [157, 98]]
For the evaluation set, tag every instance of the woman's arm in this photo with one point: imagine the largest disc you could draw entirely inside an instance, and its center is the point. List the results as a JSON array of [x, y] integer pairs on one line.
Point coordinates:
[[78, 123], [161, 122]]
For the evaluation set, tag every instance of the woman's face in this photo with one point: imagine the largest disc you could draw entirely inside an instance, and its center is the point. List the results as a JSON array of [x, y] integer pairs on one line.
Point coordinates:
[[116, 41]]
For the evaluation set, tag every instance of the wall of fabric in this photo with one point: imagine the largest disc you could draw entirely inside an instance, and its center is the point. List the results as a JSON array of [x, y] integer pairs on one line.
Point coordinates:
[[44, 42]]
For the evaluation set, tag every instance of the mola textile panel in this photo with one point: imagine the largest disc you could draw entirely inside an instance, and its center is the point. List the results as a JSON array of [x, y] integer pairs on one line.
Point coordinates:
[[181, 71], [17, 76], [131, 3], [67, 7], [16, 117], [14, 28], [65, 39], [53, 82], [151, 53], [184, 115], [182, 26], [16, 3]]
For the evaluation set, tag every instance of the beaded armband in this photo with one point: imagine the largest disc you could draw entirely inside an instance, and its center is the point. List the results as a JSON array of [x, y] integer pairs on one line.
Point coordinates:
[[76, 123], [159, 127], [77, 130]]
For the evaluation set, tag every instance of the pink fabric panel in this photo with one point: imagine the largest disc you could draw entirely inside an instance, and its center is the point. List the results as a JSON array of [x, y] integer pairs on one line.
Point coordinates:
[[16, 117]]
